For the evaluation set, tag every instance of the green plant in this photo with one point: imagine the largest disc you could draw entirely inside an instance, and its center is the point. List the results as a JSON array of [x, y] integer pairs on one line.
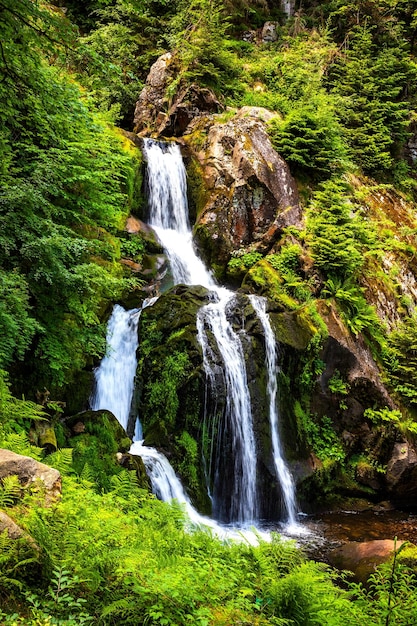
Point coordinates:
[[337, 385]]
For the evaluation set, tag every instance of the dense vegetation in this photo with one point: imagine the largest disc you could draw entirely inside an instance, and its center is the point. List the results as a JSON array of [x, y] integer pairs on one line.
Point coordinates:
[[341, 80], [119, 556]]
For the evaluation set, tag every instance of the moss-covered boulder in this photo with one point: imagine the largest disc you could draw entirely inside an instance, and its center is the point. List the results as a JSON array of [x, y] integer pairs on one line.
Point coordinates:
[[170, 388], [100, 445]]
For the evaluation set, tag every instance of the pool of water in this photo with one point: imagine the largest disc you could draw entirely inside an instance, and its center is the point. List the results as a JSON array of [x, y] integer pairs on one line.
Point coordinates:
[[330, 530]]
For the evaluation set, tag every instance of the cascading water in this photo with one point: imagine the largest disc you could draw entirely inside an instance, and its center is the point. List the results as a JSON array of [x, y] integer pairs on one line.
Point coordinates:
[[168, 212], [283, 474], [115, 377], [169, 218], [243, 506]]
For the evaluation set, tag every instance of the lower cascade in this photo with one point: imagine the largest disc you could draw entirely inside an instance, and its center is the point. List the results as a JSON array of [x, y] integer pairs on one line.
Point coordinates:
[[235, 497]]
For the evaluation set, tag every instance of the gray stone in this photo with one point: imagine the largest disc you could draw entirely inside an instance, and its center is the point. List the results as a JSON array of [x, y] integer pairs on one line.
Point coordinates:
[[269, 32], [30, 472]]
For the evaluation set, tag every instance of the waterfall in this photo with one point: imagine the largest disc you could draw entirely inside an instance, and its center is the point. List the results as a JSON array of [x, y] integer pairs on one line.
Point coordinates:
[[168, 212], [169, 218], [114, 379], [223, 360], [282, 472], [238, 415], [114, 388]]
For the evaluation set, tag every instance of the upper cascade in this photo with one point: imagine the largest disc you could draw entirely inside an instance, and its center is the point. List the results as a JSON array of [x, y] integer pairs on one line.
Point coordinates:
[[168, 212]]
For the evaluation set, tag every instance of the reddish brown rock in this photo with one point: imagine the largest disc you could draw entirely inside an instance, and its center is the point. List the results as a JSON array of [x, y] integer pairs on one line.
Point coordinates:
[[362, 558], [250, 194]]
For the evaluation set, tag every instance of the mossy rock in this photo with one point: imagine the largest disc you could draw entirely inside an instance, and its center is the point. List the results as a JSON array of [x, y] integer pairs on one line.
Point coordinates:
[[44, 435], [292, 328], [134, 463], [90, 422]]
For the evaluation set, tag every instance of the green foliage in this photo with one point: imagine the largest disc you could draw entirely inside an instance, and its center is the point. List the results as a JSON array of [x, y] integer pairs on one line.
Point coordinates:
[[64, 185], [199, 33], [390, 595], [337, 385], [319, 435], [309, 139], [163, 395], [401, 360], [10, 491], [371, 80], [336, 235], [392, 417], [239, 264], [16, 417], [287, 263]]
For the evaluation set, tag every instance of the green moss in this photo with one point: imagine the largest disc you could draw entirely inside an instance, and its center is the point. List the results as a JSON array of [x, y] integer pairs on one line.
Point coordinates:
[[267, 281], [198, 194]]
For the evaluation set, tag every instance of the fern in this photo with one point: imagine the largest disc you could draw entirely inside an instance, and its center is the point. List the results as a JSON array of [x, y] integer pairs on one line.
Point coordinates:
[[10, 491], [120, 609], [125, 484], [20, 444], [61, 460]]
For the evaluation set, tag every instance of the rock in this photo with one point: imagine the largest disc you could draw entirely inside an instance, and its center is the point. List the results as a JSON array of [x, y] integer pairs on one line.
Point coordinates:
[[42, 434], [349, 357], [269, 32], [401, 476], [250, 194], [155, 114], [87, 421], [30, 472], [152, 98], [134, 267], [13, 530], [362, 558], [135, 463]]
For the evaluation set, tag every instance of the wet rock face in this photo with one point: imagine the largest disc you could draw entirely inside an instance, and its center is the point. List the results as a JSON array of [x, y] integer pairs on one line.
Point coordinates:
[[401, 476], [348, 357], [251, 193]]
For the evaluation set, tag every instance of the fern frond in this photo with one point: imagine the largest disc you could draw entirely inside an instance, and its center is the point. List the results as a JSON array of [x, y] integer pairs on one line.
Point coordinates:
[[119, 608], [10, 491], [125, 484], [61, 460], [20, 444]]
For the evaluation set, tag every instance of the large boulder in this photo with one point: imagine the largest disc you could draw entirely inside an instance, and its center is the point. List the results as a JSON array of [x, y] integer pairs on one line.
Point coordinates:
[[159, 114], [30, 473], [249, 194]]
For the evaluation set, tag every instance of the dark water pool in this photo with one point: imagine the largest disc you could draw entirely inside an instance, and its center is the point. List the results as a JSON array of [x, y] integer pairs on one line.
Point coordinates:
[[330, 530]]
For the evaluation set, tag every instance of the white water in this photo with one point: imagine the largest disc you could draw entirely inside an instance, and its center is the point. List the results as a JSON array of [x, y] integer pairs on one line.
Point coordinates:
[[116, 374], [167, 487], [282, 472], [212, 316], [168, 217]]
